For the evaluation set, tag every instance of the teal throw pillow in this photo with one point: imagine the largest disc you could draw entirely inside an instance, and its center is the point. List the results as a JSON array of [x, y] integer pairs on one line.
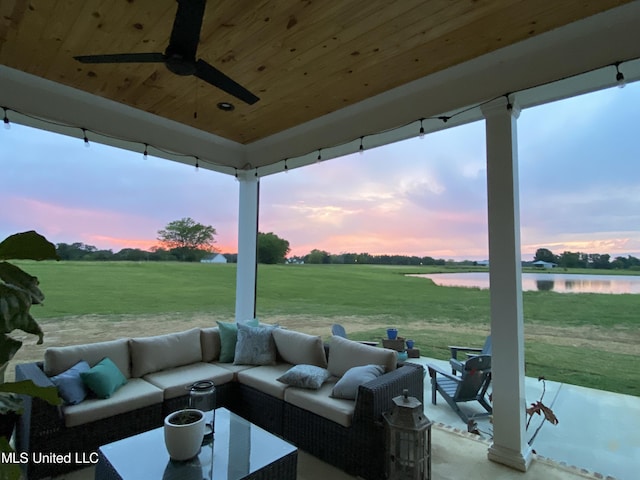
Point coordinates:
[[104, 378], [229, 337]]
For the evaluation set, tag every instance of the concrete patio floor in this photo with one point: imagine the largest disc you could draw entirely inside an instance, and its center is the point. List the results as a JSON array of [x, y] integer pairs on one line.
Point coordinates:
[[598, 431], [598, 437]]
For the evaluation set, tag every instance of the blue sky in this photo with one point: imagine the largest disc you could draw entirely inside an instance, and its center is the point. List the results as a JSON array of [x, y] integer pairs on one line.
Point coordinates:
[[579, 163]]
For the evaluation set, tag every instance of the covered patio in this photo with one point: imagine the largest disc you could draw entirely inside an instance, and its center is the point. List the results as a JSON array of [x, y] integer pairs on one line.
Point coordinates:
[[332, 78]]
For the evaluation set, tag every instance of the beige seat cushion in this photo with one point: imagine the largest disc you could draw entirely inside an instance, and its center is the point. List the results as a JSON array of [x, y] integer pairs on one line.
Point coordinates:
[[175, 382], [321, 403], [59, 359], [152, 354], [136, 393], [299, 348], [264, 378], [210, 344], [345, 354]]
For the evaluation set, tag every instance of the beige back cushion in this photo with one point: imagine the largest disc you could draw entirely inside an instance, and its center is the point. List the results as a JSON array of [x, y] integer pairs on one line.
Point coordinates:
[[300, 348], [59, 359], [345, 354], [210, 343], [152, 354]]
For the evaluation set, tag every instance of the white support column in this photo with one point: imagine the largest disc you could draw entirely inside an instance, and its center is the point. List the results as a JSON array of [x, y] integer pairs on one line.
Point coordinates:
[[507, 324], [249, 200]]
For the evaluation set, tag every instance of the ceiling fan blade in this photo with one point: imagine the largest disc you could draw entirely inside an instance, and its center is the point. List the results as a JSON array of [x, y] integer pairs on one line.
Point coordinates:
[[215, 77], [185, 33], [122, 58]]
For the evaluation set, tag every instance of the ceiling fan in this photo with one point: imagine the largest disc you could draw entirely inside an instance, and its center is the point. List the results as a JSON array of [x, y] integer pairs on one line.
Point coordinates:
[[180, 55]]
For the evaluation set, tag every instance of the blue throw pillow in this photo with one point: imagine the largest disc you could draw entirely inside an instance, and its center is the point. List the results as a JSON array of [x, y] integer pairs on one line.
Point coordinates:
[[347, 386], [71, 388], [104, 378]]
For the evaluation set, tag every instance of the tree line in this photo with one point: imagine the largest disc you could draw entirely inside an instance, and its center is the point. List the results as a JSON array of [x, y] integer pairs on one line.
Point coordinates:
[[587, 260]]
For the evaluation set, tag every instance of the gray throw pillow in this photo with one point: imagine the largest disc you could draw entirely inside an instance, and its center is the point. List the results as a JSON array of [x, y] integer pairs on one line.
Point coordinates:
[[255, 346], [347, 386], [305, 376]]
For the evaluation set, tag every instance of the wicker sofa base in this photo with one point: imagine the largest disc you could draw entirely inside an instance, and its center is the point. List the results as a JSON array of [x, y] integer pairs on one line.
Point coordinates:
[[358, 449]]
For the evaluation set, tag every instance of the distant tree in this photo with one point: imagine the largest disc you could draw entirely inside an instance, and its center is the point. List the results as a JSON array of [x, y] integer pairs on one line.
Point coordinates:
[[571, 260], [271, 248], [317, 256], [545, 255], [187, 239], [600, 260], [75, 251]]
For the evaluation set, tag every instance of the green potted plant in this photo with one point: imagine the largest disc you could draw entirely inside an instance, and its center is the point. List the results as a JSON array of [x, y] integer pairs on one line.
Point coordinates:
[[18, 291]]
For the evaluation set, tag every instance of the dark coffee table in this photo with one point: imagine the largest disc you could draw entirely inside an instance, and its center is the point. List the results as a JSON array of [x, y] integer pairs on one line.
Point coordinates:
[[239, 450]]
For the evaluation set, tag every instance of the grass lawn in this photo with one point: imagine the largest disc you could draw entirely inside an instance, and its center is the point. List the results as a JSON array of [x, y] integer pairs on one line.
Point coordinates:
[[574, 338]]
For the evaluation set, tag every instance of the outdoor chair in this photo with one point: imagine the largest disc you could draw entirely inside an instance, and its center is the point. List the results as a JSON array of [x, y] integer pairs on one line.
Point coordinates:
[[471, 386], [457, 365], [339, 331]]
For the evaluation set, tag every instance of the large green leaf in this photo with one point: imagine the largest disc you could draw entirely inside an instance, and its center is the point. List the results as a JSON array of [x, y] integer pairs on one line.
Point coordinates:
[[25, 387], [8, 471], [14, 312], [27, 246], [15, 276]]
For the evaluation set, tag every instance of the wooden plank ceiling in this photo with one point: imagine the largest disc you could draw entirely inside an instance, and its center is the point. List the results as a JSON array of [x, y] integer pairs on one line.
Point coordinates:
[[303, 58]]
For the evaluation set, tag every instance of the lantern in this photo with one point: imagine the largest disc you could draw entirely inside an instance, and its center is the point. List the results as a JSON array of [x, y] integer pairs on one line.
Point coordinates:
[[202, 396], [408, 440]]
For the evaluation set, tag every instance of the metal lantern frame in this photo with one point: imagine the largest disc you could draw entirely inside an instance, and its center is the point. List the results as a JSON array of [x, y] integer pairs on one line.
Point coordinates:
[[408, 447]]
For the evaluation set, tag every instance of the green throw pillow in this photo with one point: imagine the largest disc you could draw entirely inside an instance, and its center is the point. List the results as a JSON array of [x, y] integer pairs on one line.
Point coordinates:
[[229, 337], [104, 378]]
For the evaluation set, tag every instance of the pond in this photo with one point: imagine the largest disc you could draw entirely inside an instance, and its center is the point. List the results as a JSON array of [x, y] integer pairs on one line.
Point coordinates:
[[557, 282]]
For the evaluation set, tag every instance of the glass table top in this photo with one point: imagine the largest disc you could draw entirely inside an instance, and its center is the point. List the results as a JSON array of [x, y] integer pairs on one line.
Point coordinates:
[[238, 449]]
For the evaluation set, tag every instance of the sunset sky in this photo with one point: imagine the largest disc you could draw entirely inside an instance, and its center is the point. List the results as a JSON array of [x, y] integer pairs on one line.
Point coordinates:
[[579, 187]]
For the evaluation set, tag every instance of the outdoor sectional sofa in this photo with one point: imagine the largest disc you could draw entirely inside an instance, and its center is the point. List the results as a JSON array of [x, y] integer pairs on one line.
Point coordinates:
[[346, 433]]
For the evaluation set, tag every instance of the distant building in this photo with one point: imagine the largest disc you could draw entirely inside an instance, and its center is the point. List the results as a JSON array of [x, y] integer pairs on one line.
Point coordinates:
[[218, 258], [482, 263], [543, 264]]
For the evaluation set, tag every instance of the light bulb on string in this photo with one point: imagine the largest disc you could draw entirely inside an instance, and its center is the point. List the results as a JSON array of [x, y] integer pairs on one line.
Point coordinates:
[[620, 80], [197, 164], [86, 140], [286, 167], [146, 152], [361, 149], [7, 124], [319, 159], [421, 133]]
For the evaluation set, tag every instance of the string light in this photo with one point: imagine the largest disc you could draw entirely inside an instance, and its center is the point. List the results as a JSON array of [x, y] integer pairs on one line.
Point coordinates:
[[620, 80], [619, 76], [256, 174], [509, 104], [7, 124]]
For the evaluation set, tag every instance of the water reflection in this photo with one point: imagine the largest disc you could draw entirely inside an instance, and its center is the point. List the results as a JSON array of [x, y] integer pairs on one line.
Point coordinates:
[[557, 282]]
